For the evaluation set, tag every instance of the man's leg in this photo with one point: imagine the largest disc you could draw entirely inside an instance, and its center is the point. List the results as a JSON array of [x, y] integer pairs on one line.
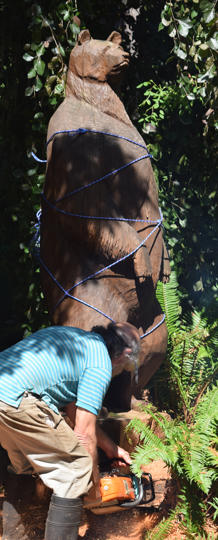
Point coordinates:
[[63, 518], [53, 450], [18, 491]]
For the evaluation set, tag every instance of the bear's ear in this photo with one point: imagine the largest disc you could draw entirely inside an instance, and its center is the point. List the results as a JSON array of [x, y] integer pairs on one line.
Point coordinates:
[[115, 37], [83, 36]]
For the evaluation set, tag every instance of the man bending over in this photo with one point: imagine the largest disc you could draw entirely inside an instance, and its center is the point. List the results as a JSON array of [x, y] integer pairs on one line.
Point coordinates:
[[62, 368]]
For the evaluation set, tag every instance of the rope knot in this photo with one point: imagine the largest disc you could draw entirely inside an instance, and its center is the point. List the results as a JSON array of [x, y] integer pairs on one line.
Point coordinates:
[[81, 130]]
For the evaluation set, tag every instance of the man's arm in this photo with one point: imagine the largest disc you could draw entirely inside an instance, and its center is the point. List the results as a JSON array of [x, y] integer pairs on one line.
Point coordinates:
[[104, 442], [85, 430]]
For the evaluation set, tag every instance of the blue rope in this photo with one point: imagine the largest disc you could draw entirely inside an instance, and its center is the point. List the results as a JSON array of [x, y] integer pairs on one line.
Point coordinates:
[[84, 130], [91, 276], [80, 131], [103, 177], [67, 294], [94, 217], [37, 159], [38, 215], [154, 327]]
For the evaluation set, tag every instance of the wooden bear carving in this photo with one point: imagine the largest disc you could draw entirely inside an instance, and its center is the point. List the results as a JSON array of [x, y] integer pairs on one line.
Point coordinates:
[[104, 152]]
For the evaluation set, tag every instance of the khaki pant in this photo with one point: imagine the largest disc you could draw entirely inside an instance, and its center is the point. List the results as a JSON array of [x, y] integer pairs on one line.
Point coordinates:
[[39, 440]]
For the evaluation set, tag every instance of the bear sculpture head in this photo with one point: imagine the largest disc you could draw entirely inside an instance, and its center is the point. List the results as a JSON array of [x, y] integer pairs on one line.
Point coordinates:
[[97, 59]]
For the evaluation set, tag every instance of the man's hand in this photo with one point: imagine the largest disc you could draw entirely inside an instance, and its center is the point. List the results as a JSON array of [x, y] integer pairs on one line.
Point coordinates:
[[111, 449], [123, 457]]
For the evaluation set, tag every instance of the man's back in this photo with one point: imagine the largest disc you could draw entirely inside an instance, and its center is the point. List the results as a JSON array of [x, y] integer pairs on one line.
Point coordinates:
[[59, 364]]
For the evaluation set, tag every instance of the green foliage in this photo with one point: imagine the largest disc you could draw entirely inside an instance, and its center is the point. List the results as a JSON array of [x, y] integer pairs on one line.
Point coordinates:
[[53, 35], [188, 449], [186, 178], [167, 295], [34, 55], [214, 504], [192, 27], [189, 438], [177, 112], [191, 363], [163, 529], [157, 99]]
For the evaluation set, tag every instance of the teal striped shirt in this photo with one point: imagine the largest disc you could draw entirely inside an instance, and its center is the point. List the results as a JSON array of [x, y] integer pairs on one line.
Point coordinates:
[[61, 364]]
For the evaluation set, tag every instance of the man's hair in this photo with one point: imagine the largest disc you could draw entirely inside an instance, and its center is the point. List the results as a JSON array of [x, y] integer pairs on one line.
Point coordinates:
[[117, 338]]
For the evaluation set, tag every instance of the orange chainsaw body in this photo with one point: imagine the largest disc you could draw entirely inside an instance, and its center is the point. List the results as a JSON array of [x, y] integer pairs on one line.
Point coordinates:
[[116, 487]]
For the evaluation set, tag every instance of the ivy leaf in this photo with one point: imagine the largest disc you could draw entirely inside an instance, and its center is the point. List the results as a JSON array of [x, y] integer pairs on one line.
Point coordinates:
[[184, 26], [213, 42], [165, 22], [58, 89], [146, 83], [208, 10], [192, 50], [172, 241], [41, 50], [206, 5], [202, 91], [29, 91], [28, 57], [65, 15], [39, 66], [191, 97], [38, 115], [62, 51], [172, 32], [34, 46], [51, 79], [38, 84], [53, 101], [209, 15], [208, 75], [203, 49], [75, 29], [31, 74], [180, 53]]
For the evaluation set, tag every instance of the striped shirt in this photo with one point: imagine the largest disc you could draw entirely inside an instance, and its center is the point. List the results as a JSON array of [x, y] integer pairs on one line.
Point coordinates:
[[60, 364]]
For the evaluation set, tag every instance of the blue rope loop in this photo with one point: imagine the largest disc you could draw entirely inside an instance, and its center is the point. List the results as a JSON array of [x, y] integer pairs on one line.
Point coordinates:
[[36, 240]]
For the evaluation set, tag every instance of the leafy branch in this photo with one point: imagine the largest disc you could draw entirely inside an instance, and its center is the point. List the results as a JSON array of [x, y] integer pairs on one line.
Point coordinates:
[[49, 56], [192, 26]]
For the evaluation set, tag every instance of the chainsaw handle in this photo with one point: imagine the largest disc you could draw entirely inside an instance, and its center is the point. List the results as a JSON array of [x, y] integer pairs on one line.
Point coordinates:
[[138, 499]]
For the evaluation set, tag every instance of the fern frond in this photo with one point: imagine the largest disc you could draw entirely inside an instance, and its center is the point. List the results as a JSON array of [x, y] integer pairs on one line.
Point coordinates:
[[145, 433], [192, 508], [212, 457], [214, 504], [163, 529], [167, 295], [208, 403]]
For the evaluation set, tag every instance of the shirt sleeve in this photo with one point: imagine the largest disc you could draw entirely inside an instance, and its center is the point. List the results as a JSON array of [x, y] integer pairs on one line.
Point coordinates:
[[92, 388]]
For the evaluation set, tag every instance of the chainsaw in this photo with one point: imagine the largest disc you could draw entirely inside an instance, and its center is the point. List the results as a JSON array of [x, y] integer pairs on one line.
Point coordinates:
[[120, 491]]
